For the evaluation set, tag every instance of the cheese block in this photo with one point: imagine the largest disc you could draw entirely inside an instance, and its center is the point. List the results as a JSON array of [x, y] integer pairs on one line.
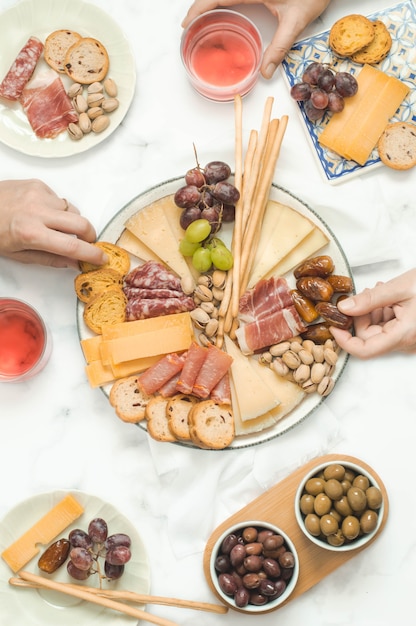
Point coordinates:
[[43, 532], [309, 246], [353, 133], [255, 397], [248, 427], [152, 228], [99, 374], [282, 229], [134, 246], [91, 348], [288, 392]]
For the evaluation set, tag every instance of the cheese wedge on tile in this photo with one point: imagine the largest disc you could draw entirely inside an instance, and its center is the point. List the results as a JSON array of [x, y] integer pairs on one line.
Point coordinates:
[[152, 228], [309, 246], [255, 397], [354, 132], [43, 532], [134, 246], [282, 230]]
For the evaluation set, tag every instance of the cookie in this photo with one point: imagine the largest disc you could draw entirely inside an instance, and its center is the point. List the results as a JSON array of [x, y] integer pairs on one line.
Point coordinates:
[[57, 45], [397, 146], [87, 61], [118, 259], [378, 49], [351, 33]]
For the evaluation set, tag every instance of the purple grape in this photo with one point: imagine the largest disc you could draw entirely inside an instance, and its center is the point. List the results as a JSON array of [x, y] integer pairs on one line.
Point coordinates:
[[113, 572], [346, 84], [81, 558], [187, 196], [225, 192], [228, 213], [326, 81], [312, 113], [98, 530], [335, 102], [79, 539], [76, 573], [188, 216], [313, 72], [118, 539], [118, 555], [216, 171], [301, 91], [195, 177], [319, 98]]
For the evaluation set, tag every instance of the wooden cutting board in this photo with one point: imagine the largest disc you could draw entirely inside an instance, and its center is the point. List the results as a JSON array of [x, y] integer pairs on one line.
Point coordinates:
[[276, 506]]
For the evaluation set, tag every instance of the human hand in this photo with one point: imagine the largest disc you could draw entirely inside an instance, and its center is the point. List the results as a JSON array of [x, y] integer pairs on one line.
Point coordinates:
[[292, 15], [384, 318], [36, 226]]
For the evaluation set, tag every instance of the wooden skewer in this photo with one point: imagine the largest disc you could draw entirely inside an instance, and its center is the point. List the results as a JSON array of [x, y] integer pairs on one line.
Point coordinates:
[[131, 596], [79, 592]]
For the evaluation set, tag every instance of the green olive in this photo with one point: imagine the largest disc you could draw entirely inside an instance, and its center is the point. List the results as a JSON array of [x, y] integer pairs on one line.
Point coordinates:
[[333, 489], [346, 484], [374, 497], [368, 521], [306, 503], [322, 504], [342, 506], [361, 481], [349, 475], [337, 539], [356, 498], [312, 524], [314, 486], [335, 514], [329, 525], [350, 527], [335, 470]]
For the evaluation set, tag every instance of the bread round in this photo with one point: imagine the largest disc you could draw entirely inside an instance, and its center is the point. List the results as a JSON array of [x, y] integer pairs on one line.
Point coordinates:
[[108, 308], [90, 284], [87, 61], [157, 420], [350, 33], [178, 409], [118, 259], [397, 146], [128, 400], [56, 47], [378, 49], [211, 425]]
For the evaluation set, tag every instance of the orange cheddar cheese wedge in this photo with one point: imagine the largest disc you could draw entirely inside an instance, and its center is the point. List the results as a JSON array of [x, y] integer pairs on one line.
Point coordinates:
[[19, 553], [353, 133], [99, 374]]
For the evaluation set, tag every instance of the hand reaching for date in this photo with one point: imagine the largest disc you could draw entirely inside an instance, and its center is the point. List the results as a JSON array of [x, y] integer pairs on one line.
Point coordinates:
[[384, 318]]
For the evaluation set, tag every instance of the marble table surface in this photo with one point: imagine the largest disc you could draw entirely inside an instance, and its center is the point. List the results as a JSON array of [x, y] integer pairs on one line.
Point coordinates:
[[58, 433]]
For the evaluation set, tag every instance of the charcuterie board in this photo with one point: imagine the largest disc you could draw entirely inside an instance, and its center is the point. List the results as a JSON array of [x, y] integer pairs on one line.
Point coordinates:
[[276, 506]]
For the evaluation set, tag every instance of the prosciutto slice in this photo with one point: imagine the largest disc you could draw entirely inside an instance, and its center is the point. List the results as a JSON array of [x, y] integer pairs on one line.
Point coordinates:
[[195, 357], [47, 105], [216, 365], [21, 70], [160, 373], [267, 296], [266, 331], [222, 390]]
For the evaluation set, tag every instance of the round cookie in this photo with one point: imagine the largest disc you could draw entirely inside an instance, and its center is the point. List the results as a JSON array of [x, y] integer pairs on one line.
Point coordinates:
[[87, 61], [56, 46], [397, 146], [378, 49], [350, 33]]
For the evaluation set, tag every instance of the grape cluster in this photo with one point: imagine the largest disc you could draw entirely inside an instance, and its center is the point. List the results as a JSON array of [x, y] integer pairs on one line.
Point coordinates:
[[322, 89], [86, 548], [207, 195], [205, 249]]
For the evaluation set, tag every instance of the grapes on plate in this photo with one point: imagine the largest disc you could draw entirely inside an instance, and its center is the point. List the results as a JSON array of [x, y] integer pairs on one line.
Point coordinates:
[[323, 89]]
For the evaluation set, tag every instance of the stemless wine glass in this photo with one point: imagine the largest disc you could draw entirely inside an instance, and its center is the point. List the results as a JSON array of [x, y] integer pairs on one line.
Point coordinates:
[[25, 343]]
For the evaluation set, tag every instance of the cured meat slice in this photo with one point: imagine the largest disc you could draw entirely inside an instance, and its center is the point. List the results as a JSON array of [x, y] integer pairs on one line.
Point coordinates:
[[47, 105], [215, 366], [160, 373], [266, 331], [222, 390], [153, 275], [267, 296], [141, 292], [140, 309], [168, 390], [21, 70], [195, 357]]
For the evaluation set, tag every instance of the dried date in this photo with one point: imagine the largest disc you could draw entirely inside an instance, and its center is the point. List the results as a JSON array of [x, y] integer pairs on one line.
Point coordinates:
[[304, 306], [340, 284], [318, 333], [315, 288], [333, 316], [317, 266], [54, 556]]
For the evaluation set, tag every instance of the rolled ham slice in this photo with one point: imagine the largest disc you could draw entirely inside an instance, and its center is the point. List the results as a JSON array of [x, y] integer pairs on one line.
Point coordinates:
[[160, 373], [266, 331], [195, 357], [47, 105], [21, 70], [215, 366], [222, 390]]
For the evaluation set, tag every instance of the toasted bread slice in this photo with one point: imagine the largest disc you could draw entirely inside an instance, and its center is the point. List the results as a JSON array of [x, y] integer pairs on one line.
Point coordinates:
[[397, 146], [87, 61], [178, 409], [378, 49], [157, 420], [118, 259], [211, 425], [128, 401], [109, 307], [350, 33], [57, 45], [90, 284]]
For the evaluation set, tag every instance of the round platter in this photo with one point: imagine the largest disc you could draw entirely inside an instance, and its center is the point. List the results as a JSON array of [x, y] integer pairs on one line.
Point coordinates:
[[311, 402], [40, 18], [35, 607]]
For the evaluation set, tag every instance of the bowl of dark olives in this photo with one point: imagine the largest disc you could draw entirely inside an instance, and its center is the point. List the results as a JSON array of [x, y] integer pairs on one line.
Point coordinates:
[[339, 506], [254, 567]]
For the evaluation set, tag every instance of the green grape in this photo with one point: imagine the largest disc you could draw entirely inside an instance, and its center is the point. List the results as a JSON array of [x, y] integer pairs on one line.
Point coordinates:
[[198, 230], [187, 248], [214, 242], [201, 259], [222, 258]]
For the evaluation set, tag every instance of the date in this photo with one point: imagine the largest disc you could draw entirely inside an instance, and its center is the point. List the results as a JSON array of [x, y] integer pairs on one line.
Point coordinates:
[[315, 288], [304, 306], [54, 556], [322, 266], [340, 284], [333, 316], [318, 332]]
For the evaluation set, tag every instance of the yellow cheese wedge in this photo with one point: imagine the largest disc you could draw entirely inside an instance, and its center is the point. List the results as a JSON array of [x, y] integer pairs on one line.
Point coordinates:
[[248, 427], [309, 246], [91, 348], [43, 532], [289, 393], [134, 246], [152, 228], [255, 397], [353, 133], [282, 229]]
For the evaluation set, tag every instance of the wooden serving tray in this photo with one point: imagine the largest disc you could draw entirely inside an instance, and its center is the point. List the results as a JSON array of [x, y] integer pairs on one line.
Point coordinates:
[[276, 506]]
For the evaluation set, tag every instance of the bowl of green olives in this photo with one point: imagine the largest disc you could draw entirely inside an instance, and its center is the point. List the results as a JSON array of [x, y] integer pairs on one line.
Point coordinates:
[[254, 567], [339, 506]]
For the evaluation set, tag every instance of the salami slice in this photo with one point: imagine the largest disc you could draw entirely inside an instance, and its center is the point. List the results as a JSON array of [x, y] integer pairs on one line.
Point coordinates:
[[153, 275], [141, 309], [21, 70], [134, 293]]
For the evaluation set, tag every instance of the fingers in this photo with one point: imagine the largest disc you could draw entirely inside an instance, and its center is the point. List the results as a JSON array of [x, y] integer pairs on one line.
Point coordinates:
[[376, 345]]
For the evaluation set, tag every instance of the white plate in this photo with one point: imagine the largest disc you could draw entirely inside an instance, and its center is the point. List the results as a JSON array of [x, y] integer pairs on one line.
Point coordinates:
[[33, 607], [400, 62], [115, 227], [40, 18]]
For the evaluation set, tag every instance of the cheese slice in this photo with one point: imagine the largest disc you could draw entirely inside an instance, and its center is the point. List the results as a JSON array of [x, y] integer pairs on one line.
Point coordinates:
[[134, 246], [99, 374], [353, 133], [152, 228], [91, 348], [309, 246], [255, 397], [43, 532], [282, 229], [248, 427]]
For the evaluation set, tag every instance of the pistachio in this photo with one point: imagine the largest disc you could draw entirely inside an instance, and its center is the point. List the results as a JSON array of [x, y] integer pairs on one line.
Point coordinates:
[[317, 372], [95, 88], [218, 294], [99, 124], [187, 285], [309, 387], [205, 279], [84, 123], [291, 359], [330, 356], [218, 278], [295, 346], [308, 345], [305, 356], [318, 353], [74, 131], [266, 358], [80, 103], [280, 348], [199, 317], [280, 367], [109, 104], [75, 90], [208, 307], [211, 328], [95, 99], [302, 373], [94, 112], [110, 87], [326, 386], [203, 293], [204, 340]]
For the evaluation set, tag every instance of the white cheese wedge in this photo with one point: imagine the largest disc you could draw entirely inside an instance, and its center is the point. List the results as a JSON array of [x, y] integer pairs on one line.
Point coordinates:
[[283, 229], [289, 393], [249, 427], [309, 246], [134, 246], [152, 228], [255, 397]]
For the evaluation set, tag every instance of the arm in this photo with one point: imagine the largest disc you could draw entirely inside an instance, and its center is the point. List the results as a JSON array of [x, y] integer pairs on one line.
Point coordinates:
[[384, 318], [36, 226], [292, 17]]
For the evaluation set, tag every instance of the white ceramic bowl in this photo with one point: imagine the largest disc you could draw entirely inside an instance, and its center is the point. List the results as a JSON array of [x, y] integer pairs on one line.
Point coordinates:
[[288, 585], [369, 525]]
